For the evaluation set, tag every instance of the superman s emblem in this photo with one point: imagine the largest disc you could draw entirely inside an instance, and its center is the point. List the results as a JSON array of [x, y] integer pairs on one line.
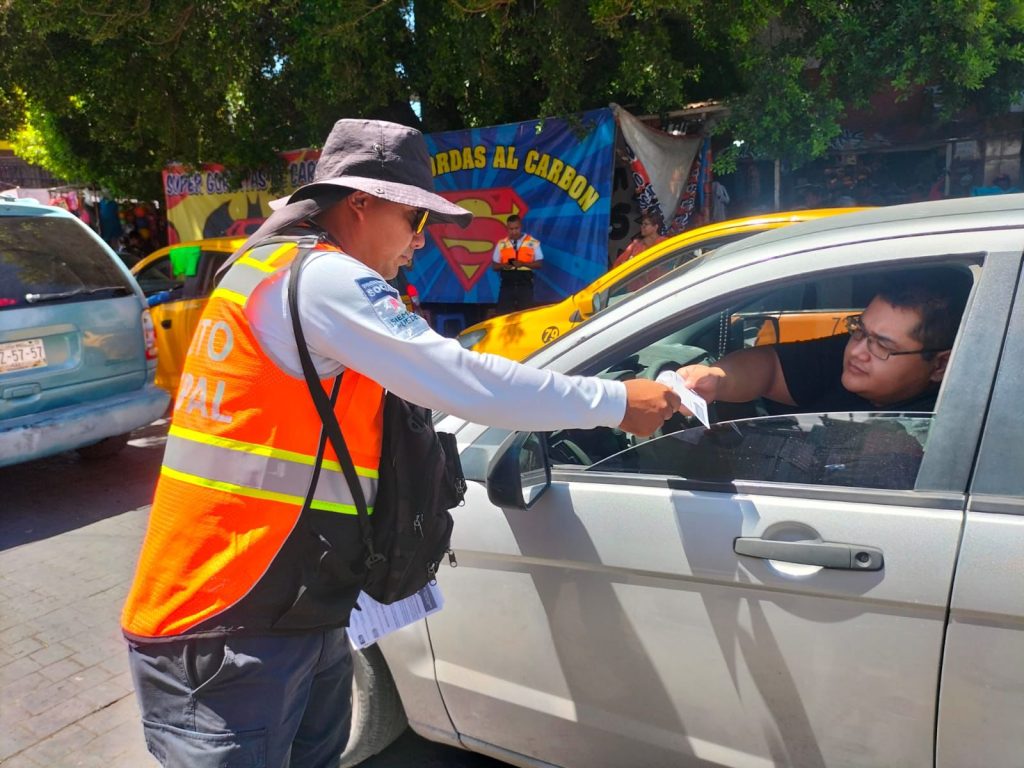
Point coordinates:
[[468, 251]]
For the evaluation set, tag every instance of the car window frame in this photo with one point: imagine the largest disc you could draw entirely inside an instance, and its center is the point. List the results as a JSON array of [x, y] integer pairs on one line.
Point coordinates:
[[164, 260], [964, 398], [993, 488], [944, 472]]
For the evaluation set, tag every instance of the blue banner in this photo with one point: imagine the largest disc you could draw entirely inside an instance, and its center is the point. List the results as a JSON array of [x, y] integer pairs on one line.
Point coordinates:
[[556, 175]]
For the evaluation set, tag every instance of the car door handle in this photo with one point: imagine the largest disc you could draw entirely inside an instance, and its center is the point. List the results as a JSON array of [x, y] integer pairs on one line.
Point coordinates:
[[165, 323], [827, 554]]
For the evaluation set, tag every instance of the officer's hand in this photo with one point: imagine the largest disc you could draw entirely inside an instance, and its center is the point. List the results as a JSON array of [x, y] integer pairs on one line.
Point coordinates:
[[702, 379], [648, 404]]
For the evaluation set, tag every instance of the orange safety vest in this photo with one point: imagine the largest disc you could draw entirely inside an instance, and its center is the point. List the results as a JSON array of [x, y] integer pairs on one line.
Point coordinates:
[[527, 248], [228, 548]]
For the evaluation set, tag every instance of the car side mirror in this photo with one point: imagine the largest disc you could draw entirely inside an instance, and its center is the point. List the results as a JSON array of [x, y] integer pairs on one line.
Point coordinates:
[[520, 472]]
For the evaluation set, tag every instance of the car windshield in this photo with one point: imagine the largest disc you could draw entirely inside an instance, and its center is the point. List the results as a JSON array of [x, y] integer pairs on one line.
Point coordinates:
[[48, 258]]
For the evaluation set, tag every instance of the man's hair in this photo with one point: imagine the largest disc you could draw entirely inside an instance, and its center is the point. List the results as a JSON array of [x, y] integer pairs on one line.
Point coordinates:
[[513, 219], [939, 301]]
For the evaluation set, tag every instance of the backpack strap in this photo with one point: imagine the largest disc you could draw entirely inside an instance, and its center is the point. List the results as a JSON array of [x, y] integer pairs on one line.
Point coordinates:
[[327, 417]]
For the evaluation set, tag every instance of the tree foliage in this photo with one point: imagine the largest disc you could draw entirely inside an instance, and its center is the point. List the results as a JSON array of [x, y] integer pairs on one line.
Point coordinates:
[[109, 91]]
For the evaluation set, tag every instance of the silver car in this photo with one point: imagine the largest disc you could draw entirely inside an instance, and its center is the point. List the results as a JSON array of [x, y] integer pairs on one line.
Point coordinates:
[[735, 596]]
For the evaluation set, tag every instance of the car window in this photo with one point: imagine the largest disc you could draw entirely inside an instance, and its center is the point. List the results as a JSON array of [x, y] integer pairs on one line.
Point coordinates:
[[52, 258], [762, 440], [209, 262], [158, 276], [866, 450]]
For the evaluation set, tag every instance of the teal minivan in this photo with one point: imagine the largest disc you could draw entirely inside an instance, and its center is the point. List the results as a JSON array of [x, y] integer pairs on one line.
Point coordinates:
[[77, 344]]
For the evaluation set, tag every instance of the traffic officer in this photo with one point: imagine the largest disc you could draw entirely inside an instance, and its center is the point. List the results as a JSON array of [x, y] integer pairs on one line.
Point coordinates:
[[515, 258], [236, 617]]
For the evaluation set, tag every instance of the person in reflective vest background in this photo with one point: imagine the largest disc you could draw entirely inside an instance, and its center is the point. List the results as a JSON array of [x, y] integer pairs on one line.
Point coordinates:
[[236, 617], [515, 258]]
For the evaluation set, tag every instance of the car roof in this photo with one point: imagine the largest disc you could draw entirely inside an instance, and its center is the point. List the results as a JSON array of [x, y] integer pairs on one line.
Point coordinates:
[[29, 206], [873, 223]]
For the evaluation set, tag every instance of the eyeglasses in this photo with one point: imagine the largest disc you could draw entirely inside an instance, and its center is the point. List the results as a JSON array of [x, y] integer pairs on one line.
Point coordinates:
[[876, 346], [418, 220]]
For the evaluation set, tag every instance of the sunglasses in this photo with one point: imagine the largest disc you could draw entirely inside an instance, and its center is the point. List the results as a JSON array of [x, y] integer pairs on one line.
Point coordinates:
[[418, 220]]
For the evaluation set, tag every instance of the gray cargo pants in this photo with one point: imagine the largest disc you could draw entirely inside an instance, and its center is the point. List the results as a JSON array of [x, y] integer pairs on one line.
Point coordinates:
[[266, 701]]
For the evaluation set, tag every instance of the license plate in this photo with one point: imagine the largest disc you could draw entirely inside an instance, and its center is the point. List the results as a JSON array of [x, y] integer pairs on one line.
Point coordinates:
[[18, 355]]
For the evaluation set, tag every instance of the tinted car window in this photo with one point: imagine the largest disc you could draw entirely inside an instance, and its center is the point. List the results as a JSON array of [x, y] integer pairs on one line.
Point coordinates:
[[158, 277], [209, 263], [846, 449], [53, 259]]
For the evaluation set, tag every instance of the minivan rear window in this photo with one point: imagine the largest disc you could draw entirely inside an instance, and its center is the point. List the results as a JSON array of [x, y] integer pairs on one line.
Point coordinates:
[[46, 259]]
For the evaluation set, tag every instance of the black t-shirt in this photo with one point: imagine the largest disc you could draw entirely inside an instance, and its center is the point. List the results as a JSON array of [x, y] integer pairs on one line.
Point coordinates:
[[814, 373]]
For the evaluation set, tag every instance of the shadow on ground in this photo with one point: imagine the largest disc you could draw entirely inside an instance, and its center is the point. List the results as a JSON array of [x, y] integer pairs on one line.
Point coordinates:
[[43, 498], [411, 751]]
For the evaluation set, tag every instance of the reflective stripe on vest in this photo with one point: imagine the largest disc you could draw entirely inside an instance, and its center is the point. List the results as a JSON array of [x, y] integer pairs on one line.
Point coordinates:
[[227, 521], [260, 472]]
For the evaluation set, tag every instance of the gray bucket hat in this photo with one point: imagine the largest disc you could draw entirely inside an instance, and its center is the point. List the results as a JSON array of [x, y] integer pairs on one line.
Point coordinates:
[[386, 160]]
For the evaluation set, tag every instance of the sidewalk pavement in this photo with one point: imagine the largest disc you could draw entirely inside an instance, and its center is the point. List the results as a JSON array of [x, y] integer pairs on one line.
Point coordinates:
[[70, 532], [65, 692]]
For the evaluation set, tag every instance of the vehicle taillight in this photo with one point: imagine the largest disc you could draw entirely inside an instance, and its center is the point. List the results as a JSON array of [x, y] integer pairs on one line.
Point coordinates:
[[149, 334]]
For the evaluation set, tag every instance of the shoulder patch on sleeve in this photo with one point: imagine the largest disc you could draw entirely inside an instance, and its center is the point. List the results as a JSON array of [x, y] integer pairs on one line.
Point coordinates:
[[388, 305]]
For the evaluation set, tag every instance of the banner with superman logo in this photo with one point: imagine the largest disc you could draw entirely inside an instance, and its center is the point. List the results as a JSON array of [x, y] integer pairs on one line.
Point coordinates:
[[556, 175]]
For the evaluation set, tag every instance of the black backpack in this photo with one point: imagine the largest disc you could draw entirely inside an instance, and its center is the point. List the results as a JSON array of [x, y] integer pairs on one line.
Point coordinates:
[[420, 479]]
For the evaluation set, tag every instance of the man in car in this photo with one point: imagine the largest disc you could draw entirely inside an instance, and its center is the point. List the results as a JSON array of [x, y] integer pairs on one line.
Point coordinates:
[[892, 358]]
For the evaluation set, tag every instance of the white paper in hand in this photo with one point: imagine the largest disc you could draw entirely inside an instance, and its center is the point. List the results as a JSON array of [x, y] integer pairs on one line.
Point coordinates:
[[692, 402]]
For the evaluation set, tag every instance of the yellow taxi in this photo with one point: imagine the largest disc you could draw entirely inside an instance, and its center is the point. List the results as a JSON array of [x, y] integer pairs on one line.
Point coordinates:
[[518, 334], [177, 281]]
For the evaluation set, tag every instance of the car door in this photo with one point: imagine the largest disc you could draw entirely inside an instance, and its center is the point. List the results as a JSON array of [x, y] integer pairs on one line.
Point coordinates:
[[981, 703], [619, 622]]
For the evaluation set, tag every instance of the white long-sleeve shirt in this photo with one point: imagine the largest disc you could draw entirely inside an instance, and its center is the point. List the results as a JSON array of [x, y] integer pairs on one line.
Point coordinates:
[[353, 319]]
